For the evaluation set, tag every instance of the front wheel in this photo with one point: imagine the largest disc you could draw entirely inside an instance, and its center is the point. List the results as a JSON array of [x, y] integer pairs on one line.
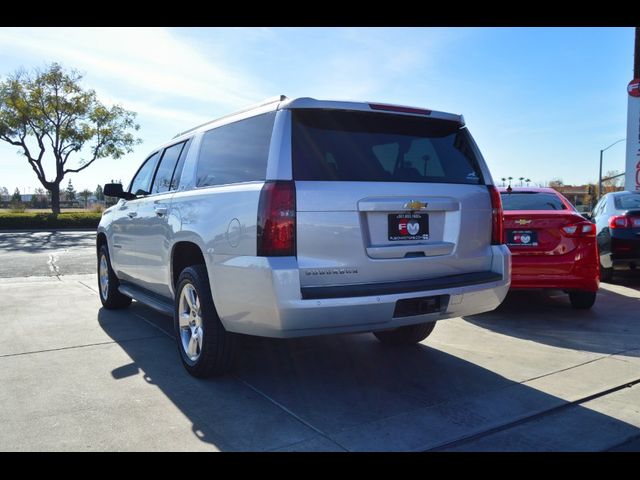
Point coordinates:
[[409, 335], [582, 300], [206, 348]]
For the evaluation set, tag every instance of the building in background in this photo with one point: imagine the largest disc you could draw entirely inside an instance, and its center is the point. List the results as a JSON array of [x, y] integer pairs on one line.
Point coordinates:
[[583, 197]]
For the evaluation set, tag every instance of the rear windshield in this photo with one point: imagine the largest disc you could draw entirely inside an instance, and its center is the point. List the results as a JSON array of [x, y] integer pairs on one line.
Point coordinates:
[[531, 201], [376, 147], [625, 202]]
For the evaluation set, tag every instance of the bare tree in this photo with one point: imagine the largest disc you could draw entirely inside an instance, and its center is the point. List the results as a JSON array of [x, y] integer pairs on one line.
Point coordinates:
[[612, 180], [48, 110], [556, 182]]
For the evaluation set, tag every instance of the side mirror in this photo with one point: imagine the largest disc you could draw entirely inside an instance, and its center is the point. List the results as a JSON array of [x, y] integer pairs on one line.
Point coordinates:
[[115, 190]]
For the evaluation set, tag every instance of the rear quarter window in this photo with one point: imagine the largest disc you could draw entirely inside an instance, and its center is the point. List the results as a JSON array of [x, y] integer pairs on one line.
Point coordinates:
[[336, 145], [236, 152]]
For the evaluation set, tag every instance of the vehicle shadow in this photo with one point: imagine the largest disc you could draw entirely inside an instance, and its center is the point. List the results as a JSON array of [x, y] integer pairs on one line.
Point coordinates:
[[344, 392], [627, 278], [609, 327], [44, 241]]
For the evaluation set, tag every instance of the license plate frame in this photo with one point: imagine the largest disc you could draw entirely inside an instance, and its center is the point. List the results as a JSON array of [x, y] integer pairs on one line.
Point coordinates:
[[402, 226], [522, 238]]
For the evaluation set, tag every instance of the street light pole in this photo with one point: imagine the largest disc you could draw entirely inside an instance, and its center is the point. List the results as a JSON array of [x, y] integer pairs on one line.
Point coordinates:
[[600, 174]]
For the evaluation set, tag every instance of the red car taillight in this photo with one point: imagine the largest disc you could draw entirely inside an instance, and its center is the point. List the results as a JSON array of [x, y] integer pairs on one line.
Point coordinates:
[[497, 223], [624, 221], [582, 229], [277, 219]]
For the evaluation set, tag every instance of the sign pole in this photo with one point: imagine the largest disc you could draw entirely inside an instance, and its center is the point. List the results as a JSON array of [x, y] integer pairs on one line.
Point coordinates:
[[632, 170]]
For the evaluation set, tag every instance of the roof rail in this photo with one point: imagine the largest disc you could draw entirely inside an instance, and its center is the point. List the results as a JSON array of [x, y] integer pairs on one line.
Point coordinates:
[[277, 98]]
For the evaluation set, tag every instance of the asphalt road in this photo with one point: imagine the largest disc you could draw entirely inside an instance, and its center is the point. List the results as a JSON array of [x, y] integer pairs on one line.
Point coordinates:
[[46, 253], [534, 375]]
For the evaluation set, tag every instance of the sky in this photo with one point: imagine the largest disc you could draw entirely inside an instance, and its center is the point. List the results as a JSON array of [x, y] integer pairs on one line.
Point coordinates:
[[540, 102]]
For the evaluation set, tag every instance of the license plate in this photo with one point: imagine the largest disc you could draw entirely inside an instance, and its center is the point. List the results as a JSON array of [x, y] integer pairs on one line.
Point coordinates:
[[522, 238], [408, 226]]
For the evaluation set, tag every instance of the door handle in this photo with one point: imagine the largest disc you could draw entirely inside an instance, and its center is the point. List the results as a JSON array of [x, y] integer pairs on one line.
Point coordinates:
[[132, 214], [160, 210]]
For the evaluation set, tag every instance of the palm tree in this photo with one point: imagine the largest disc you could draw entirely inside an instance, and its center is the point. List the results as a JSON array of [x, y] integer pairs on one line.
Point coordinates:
[[527, 180], [521, 179], [503, 180], [86, 194]]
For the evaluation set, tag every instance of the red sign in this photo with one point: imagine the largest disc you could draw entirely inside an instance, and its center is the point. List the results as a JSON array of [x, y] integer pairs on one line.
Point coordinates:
[[634, 87]]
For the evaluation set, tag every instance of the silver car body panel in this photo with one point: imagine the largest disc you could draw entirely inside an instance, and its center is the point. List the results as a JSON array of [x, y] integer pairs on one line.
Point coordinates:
[[340, 241]]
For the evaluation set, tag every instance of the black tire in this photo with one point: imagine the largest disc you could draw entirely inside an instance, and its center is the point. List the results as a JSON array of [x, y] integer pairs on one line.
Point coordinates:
[[409, 335], [110, 297], [217, 352], [606, 274], [582, 299]]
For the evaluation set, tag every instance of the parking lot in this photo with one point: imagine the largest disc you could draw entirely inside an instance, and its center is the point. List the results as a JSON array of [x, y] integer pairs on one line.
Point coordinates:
[[534, 375]]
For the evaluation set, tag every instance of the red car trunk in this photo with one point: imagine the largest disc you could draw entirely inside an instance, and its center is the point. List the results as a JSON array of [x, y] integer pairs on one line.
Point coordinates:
[[544, 229], [552, 246]]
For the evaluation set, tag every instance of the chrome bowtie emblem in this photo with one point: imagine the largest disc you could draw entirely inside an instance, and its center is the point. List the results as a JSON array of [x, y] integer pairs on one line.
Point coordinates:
[[523, 221], [415, 205]]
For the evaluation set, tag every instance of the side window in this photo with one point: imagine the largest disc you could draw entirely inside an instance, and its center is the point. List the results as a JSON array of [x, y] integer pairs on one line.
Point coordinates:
[[177, 172], [419, 159], [236, 152], [141, 183], [162, 182], [387, 155], [423, 157]]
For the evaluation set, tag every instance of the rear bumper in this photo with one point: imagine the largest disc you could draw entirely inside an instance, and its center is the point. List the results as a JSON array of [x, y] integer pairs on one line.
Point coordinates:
[[274, 305], [579, 270], [442, 283], [623, 251]]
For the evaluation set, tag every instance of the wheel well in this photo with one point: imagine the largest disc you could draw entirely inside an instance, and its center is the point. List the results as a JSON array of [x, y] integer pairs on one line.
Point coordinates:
[[100, 240], [184, 255]]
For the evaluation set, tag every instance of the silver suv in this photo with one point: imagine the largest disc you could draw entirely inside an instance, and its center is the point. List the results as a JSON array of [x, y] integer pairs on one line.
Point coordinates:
[[307, 217]]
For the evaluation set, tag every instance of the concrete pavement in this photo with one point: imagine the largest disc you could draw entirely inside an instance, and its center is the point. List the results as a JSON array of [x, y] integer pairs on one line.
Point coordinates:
[[533, 375]]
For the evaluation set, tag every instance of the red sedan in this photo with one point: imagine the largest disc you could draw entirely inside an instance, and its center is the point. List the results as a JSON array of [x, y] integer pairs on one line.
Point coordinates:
[[552, 245]]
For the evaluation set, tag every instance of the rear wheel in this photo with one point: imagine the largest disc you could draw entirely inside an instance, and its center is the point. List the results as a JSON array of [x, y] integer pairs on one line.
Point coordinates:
[[409, 335], [206, 348], [582, 300], [108, 283]]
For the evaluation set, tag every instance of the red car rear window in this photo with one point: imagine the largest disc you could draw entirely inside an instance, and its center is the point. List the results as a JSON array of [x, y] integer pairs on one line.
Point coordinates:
[[531, 201]]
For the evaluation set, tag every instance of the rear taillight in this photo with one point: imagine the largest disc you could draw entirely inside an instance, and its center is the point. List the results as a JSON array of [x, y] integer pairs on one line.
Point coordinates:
[[497, 223], [582, 229], [624, 221], [277, 219]]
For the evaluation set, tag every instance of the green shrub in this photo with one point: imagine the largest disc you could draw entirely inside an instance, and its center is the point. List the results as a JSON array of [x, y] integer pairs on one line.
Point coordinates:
[[38, 220]]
